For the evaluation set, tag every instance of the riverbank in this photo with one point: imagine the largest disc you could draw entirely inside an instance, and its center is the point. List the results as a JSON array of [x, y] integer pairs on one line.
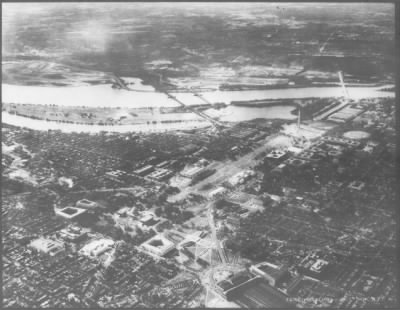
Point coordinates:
[[144, 121], [104, 97], [264, 103], [43, 125]]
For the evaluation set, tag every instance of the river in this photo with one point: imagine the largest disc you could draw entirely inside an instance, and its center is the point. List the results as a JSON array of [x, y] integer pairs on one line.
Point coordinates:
[[105, 96]]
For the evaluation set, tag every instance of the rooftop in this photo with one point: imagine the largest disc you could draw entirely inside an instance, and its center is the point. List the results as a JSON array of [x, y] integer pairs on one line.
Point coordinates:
[[48, 246], [96, 247], [70, 212], [158, 245]]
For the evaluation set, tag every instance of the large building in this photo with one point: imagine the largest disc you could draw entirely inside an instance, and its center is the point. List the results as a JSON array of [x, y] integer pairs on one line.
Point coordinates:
[[313, 266], [70, 212], [97, 247], [192, 172], [274, 274], [229, 287], [86, 204], [158, 245], [73, 233], [73, 236], [144, 170], [345, 114], [148, 220], [217, 193], [259, 294], [47, 246], [161, 174], [241, 177], [251, 292]]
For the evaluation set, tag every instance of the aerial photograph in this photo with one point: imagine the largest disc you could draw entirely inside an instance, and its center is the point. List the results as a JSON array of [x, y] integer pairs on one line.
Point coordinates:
[[199, 155]]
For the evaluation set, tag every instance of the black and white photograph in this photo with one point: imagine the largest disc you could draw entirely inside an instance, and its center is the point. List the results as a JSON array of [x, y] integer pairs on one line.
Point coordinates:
[[199, 155]]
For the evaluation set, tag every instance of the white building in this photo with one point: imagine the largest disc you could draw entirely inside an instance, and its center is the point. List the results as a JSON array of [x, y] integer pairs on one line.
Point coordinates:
[[97, 247], [218, 192], [192, 172], [272, 273], [319, 265], [47, 246], [276, 154], [69, 212], [86, 204], [240, 177], [158, 245]]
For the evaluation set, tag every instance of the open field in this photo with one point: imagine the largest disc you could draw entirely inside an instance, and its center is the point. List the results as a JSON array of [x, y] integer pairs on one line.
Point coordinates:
[[204, 46], [42, 73]]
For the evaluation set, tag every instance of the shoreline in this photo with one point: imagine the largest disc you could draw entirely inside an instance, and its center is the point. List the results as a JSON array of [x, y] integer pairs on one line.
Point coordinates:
[[43, 125], [262, 103], [55, 84]]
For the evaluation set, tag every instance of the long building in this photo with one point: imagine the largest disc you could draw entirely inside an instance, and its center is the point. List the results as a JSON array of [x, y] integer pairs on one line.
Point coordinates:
[[260, 295], [270, 272]]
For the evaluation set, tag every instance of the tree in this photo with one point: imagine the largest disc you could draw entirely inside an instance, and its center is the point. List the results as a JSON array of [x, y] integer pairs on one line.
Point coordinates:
[[117, 233], [220, 203], [158, 211], [266, 201], [187, 215]]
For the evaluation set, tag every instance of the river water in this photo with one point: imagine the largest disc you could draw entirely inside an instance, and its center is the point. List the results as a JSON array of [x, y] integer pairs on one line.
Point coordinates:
[[105, 96]]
